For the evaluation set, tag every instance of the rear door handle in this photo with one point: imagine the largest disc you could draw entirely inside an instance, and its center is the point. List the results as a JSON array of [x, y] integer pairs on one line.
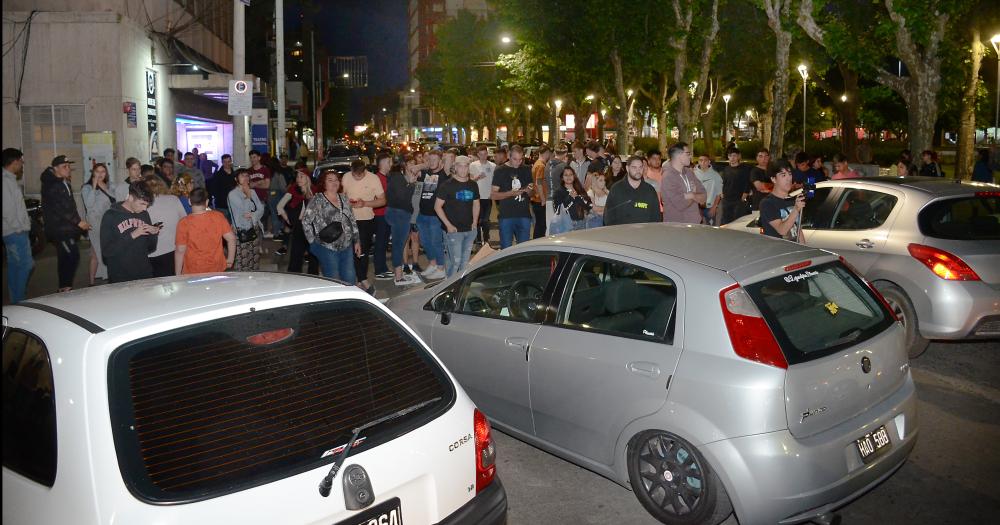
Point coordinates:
[[517, 342], [865, 243], [644, 368]]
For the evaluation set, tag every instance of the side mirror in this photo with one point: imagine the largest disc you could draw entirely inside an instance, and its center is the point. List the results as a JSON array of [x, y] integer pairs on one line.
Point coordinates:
[[444, 301]]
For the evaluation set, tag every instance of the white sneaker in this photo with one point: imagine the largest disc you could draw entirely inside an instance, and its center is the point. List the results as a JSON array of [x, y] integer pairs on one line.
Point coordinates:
[[407, 280], [429, 270], [437, 274]]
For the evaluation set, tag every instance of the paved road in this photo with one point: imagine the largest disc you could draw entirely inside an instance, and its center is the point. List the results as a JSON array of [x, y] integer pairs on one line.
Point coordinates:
[[953, 475]]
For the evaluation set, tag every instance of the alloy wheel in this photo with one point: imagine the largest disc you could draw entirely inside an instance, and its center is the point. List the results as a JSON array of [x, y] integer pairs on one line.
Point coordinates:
[[671, 475]]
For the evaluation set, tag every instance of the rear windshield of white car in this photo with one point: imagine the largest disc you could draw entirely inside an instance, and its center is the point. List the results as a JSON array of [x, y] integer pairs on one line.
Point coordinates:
[[969, 218], [226, 405], [818, 310]]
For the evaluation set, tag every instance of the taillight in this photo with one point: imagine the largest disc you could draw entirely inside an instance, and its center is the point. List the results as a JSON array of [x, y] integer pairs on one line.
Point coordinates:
[[486, 452], [751, 337], [878, 294], [945, 265]]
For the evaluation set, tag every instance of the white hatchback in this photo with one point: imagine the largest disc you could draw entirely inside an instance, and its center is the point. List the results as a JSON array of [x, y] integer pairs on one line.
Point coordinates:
[[250, 398]]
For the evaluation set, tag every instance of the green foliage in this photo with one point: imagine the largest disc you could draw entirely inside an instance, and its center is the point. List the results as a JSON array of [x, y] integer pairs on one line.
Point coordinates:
[[645, 144]]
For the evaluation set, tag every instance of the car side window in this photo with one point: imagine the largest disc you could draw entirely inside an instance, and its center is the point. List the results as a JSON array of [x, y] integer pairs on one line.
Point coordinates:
[[620, 299], [861, 209], [509, 288], [29, 408], [814, 216]]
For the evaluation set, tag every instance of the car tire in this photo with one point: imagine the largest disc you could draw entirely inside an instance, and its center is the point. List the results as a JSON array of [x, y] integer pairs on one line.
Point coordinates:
[[903, 308], [655, 460]]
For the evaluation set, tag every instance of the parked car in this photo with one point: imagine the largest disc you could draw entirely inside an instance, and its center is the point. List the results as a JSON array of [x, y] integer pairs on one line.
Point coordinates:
[[710, 371], [931, 246], [342, 154], [339, 166], [227, 397]]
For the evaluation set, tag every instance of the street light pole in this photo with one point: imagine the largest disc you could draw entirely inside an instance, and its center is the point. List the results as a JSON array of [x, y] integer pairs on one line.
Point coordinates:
[[725, 130], [996, 118], [804, 71]]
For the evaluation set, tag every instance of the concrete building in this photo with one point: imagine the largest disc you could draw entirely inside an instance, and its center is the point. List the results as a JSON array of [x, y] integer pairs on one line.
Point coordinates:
[[104, 80]]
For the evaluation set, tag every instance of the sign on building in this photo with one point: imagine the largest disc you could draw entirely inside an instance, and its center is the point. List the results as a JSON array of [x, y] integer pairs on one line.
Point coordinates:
[[99, 148], [154, 139], [259, 131], [240, 98]]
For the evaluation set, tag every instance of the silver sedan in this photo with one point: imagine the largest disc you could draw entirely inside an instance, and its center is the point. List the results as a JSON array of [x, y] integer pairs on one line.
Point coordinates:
[[931, 246], [710, 371]]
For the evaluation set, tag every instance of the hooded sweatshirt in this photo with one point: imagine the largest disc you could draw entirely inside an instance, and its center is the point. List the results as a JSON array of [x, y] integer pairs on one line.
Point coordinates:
[[127, 258], [62, 219]]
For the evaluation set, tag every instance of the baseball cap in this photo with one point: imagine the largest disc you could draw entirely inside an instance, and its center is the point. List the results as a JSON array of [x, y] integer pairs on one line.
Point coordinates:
[[61, 159]]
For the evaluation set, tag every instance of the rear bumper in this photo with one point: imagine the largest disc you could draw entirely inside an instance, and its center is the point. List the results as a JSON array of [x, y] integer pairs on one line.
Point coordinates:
[[778, 478], [489, 507], [956, 309]]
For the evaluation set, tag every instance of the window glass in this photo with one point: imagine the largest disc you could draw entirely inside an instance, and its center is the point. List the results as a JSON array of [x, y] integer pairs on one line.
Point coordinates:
[[968, 218], [221, 406], [814, 216], [29, 408], [510, 288], [862, 209], [816, 310], [620, 299]]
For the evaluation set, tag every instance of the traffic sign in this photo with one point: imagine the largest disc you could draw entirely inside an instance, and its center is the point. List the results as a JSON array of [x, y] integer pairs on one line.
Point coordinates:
[[240, 98]]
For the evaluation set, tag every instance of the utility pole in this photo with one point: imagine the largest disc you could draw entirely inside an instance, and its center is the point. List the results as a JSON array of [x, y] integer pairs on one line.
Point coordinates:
[[240, 151], [314, 91], [279, 31]]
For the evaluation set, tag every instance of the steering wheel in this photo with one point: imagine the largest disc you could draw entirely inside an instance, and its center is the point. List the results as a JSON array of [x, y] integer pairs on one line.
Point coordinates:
[[524, 299]]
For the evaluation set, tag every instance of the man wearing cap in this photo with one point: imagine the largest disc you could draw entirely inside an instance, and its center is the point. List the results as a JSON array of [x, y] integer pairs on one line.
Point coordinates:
[[16, 226], [63, 225]]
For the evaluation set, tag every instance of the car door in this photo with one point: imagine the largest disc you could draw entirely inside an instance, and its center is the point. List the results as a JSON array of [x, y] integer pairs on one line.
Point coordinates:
[[859, 225], [607, 355], [484, 336]]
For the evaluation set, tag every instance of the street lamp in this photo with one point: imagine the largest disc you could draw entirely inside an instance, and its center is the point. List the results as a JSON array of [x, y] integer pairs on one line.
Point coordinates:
[[804, 71], [529, 107], [843, 98], [725, 134], [629, 93], [346, 75], [589, 97], [555, 132], [505, 39], [996, 118]]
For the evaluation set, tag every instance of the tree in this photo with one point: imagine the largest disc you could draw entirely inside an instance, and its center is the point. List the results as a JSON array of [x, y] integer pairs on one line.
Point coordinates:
[[967, 118], [690, 75], [911, 31]]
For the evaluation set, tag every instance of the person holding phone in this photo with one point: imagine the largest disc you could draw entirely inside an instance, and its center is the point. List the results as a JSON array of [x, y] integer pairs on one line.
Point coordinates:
[[512, 188], [779, 213], [128, 237], [168, 210]]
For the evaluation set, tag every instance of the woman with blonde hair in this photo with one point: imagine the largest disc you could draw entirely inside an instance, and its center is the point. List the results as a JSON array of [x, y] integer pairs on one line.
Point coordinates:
[[181, 188], [165, 212]]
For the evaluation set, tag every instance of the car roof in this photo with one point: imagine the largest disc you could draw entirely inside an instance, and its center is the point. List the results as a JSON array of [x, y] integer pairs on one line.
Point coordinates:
[[110, 306], [706, 245], [933, 186]]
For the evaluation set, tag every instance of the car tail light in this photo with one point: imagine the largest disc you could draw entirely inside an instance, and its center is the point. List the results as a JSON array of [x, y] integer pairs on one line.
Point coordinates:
[[945, 265], [486, 452], [878, 294], [751, 337]]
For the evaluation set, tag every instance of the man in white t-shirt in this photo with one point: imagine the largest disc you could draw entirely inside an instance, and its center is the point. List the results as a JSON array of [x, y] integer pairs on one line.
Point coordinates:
[[481, 171], [712, 182], [364, 189]]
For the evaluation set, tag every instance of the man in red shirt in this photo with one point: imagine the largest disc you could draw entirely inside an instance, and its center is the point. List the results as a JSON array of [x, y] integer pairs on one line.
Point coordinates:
[[383, 163], [260, 181]]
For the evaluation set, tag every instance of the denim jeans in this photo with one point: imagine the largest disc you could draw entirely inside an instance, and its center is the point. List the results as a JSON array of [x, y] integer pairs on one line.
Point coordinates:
[[514, 227], [459, 245], [274, 197], [381, 243], [336, 264], [19, 264], [431, 237], [399, 224]]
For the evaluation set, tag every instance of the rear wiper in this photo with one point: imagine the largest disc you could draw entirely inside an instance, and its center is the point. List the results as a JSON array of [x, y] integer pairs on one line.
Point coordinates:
[[327, 483], [845, 337]]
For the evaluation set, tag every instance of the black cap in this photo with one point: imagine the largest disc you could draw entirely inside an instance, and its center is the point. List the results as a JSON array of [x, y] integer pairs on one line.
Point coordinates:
[[61, 159]]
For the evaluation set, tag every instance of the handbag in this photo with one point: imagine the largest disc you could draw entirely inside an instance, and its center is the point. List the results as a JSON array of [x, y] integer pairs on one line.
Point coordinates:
[[561, 221], [248, 235], [330, 233]]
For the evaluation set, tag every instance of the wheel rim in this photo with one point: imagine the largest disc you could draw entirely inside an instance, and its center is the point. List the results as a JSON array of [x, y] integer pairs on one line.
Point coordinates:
[[898, 310], [671, 475]]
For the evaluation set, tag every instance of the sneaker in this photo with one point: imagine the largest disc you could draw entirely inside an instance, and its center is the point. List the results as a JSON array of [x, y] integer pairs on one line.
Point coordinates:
[[438, 273], [407, 269], [416, 268], [407, 280], [428, 271], [268, 235], [385, 275], [281, 237], [281, 251], [371, 290]]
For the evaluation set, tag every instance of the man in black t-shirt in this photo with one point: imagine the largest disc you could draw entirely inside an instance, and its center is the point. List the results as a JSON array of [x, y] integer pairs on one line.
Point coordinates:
[[735, 188], [760, 178], [428, 223], [457, 205], [779, 213], [512, 188]]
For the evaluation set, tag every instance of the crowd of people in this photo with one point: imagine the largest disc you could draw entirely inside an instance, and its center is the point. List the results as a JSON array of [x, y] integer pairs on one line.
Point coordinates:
[[194, 216]]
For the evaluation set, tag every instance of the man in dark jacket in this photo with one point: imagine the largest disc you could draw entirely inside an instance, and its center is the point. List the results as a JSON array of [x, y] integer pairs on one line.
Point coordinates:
[[632, 200], [127, 237], [63, 224]]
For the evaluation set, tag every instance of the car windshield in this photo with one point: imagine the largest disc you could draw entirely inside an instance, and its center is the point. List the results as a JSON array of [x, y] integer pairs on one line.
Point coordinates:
[[817, 310], [221, 406], [974, 218]]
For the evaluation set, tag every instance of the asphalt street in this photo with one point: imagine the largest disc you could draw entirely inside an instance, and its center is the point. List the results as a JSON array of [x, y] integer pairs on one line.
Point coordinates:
[[952, 476]]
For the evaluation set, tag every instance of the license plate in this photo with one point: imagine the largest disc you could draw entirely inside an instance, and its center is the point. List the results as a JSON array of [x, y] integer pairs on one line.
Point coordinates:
[[386, 513], [871, 445]]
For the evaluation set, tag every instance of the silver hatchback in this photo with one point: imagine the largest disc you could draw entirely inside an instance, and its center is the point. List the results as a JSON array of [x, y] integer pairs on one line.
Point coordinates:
[[710, 371], [931, 246]]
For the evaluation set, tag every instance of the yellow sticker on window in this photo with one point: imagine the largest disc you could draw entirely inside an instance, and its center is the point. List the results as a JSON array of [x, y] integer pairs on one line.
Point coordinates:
[[832, 308]]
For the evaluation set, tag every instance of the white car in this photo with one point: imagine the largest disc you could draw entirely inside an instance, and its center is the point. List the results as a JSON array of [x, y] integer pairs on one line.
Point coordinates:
[[235, 398]]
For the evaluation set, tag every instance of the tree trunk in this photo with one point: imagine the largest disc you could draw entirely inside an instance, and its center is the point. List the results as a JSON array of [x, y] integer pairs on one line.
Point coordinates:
[[689, 104], [662, 129], [624, 112], [849, 113], [554, 130], [706, 126], [580, 123], [779, 101], [764, 119], [967, 118]]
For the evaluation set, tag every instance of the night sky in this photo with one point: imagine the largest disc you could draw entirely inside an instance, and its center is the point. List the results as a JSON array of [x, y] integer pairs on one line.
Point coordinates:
[[375, 28]]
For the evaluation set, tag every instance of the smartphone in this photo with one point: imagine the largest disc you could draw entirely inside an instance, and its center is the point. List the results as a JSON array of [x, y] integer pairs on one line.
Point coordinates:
[[809, 188], [158, 225]]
